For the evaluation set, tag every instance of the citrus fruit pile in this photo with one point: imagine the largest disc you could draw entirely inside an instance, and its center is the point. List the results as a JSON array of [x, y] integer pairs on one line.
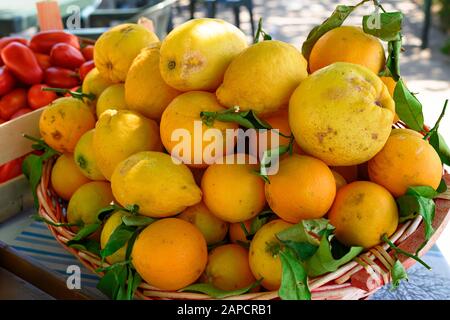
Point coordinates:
[[207, 222]]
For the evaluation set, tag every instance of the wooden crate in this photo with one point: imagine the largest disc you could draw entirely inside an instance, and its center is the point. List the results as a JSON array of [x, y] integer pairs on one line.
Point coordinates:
[[15, 194]]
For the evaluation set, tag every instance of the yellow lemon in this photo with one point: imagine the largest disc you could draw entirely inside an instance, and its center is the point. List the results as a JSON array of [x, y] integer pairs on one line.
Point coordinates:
[[263, 77], [110, 226], [113, 97], [115, 50], [183, 116], [63, 122], [155, 183], [121, 133], [85, 157], [145, 89], [94, 83], [341, 114], [87, 201], [66, 177], [194, 55], [212, 228]]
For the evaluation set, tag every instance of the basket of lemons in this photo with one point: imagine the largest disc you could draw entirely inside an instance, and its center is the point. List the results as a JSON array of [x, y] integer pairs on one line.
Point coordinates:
[[202, 167]]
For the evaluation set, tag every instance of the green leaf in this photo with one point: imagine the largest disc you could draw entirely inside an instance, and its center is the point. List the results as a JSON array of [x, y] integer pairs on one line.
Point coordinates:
[[259, 221], [272, 156], [294, 280], [387, 25], [442, 187], [113, 282], [323, 260], [408, 108], [134, 280], [403, 252], [246, 119], [84, 232], [303, 250], [32, 169], [438, 143], [398, 273], [131, 243], [216, 293], [87, 245], [423, 191], [117, 240], [104, 212], [37, 217], [132, 208], [304, 230], [335, 20], [392, 68], [137, 221]]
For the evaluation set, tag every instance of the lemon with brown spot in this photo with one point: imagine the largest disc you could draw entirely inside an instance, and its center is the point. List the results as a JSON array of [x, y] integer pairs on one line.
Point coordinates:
[[195, 55], [119, 134], [145, 89], [362, 213], [66, 177], [84, 156], [63, 122], [94, 83], [155, 183], [115, 49], [341, 114]]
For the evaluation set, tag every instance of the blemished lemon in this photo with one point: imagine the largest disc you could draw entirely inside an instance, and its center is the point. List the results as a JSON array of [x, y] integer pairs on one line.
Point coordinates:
[[155, 183], [263, 77], [115, 49], [194, 55], [84, 156], [341, 114]]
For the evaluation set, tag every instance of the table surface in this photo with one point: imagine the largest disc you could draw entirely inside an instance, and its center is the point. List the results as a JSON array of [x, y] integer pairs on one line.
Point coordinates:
[[34, 239]]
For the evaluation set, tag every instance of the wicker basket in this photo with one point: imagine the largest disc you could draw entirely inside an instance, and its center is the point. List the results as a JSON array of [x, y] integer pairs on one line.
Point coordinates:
[[357, 279]]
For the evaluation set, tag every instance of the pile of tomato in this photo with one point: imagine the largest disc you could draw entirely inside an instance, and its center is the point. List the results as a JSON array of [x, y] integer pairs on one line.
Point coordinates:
[[49, 59]]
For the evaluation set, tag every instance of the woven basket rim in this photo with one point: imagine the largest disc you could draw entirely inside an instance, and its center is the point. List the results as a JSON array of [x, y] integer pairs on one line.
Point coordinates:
[[344, 283]]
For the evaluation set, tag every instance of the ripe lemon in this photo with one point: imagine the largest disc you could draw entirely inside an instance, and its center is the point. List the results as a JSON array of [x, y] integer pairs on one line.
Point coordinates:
[[153, 181], [87, 201], [232, 191], [121, 133], [263, 77], [63, 122], [115, 49], [113, 97], [181, 116], [264, 257], [145, 89], [94, 83], [347, 44], [406, 160], [170, 254], [109, 227], [66, 177], [228, 268], [341, 114], [303, 188], [194, 55], [84, 156], [212, 228], [362, 212]]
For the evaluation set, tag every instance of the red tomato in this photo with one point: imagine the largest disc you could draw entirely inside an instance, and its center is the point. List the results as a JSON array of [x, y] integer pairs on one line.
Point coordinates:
[[7, 40], [2, 121], [61, 78], [88, 52], [85, 68], [7, 81], [11, 169], [43, 41], [22, 63], [12, 102], [43, 60], [66, 56], [38, 98]]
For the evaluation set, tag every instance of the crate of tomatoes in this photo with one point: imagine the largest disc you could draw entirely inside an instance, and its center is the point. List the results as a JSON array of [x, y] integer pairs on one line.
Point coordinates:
[[33, 73]]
